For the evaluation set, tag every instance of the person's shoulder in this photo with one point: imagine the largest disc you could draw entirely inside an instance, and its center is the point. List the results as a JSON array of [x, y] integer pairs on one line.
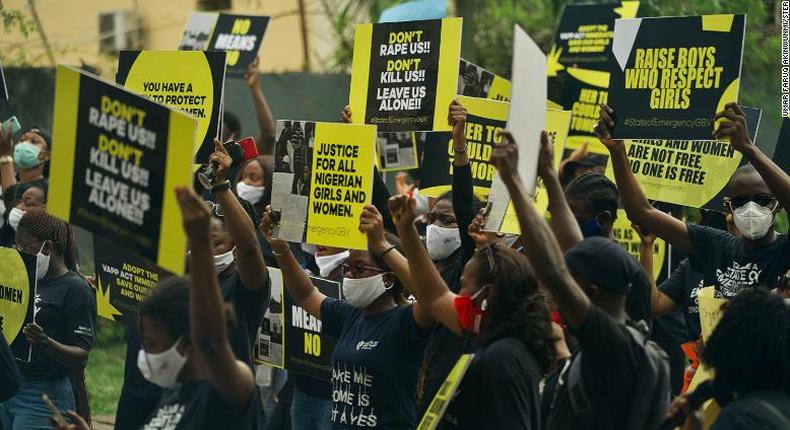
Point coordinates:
[[508, 357], [765, 410], [704, 232]]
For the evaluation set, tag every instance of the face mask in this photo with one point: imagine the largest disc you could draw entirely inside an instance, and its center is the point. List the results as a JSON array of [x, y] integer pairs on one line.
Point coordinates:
[[223, 261], [250, 193], [591, 228], [14, 217], [469, 315], [26, 155], [441, 241], [42, 264], [161, 369], [327, 263], [361, 292], [753, 220]]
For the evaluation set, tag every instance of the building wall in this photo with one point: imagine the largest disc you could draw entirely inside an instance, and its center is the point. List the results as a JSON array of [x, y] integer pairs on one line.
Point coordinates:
[[72, 27]]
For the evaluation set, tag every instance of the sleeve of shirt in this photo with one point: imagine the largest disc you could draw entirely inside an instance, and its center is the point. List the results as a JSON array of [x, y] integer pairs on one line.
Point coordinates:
[[81, 317], [253, 303], [506, 397], [606, 345], [413, 341], [334, 314], [464, 207], [675, 286], [708, 247], [9, 372]]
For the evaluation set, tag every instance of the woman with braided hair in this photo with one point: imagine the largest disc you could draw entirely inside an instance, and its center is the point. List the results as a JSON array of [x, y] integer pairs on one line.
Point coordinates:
[[63, 332]]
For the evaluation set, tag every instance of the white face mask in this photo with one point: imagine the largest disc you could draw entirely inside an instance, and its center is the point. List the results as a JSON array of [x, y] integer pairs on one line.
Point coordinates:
[[361, 292], [753, 220], [441, 241], [2, 212], [223, 261], [250, 193], [14, 217], [42, 264], [161, 369], [327, 263]]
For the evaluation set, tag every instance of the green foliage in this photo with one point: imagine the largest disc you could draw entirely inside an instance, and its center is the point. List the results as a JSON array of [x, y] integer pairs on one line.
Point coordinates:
[[104, 376], [13, 21]]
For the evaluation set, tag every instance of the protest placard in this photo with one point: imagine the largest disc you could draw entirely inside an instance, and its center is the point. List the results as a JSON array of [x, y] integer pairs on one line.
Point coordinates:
[[323, 177], [670, 75], [269, 345], [624, 234], [191, 82], [118, 158], [526, 119], [475, 81], [692, 173], [17, 298], [485, 119], [124, 279], [308, 350], [405, 74], [238, 35], [578, 64], [438, 406], [397, 151], [781, 155]]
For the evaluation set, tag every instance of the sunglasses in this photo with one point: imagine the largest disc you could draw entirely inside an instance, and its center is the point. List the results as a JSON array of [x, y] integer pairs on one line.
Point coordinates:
[[214, 208], [358, 269], [765, 200]]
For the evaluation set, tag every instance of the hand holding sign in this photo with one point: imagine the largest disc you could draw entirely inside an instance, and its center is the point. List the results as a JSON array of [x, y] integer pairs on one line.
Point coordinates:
[[545, 157], [267, 230], [35, 334], [402, 209], [505, 157], [194, 215], [345, 115], [457, 120], [222, 160], [735, 128], [603, 130], [372, 223]]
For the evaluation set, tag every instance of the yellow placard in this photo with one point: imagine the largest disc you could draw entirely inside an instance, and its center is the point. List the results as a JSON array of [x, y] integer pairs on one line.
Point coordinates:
[[628, 238], [16, 293], [438, 405]]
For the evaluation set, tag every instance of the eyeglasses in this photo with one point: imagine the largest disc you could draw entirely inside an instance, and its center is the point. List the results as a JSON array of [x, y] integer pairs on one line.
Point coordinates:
[[214, 208], [358, 269], [765, 200]]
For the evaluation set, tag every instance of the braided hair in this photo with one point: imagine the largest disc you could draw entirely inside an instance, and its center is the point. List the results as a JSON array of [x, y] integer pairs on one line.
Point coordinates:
[[597, 191], [44, 226]]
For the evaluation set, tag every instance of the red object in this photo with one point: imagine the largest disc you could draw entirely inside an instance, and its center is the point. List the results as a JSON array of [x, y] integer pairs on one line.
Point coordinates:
[[248, 147], [557, 318]]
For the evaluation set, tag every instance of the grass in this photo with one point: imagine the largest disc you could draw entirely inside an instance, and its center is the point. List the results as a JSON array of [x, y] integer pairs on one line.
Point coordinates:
[[104, 373]]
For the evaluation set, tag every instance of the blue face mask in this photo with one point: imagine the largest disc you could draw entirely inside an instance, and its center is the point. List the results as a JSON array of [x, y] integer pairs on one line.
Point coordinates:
[[26, 155], [591, 228]]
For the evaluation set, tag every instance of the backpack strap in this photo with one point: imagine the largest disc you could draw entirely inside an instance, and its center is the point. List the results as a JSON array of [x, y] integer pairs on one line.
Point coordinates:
[[581, 405], [773, 410]]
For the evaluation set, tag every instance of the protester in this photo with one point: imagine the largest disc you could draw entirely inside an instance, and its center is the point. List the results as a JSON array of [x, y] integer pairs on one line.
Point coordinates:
[[63, 331], [380, 339], [755, 194], [263, 113], [188, 354], [749, 352], [617, 379], [35, 196], [500, 304]]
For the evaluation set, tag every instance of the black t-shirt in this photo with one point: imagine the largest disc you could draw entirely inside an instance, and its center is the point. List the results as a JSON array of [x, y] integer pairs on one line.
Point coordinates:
[[249, 307], [637, 301], [609, 367], [374, 366], [682, 287], [310, 386], [66, 310], [499, 391], [197, 405], [766, 410], [727, 265]]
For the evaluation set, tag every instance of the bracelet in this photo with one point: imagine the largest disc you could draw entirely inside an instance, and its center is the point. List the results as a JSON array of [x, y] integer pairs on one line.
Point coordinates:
[[386, 251], [462, 150], [281, 254], [222, 186], [6, 159]]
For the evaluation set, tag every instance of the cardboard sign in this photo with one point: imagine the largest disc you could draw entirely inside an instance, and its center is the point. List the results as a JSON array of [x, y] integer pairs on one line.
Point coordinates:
[[124, 279], [238, 35], [397, 151], [475, 81], [117, 160], [485, 119], [191, 82], [307, 349], [323, 177], [438, 406], [690, 173], [404, 74], [269, 346], [526, 119], [671, 75], [17, 299], [578, 64]]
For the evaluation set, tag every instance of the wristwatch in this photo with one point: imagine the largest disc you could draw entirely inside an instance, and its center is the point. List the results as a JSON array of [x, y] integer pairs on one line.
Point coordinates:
[[6, 159], [222, 186]]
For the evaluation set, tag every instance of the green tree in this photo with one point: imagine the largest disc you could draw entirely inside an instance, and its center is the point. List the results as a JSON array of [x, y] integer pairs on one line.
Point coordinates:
[[13, 21]]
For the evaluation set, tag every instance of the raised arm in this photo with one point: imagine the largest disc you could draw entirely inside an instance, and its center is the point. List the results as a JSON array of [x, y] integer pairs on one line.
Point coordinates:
[[264, 113], [372, 224], [633, 199], [295, 279], [7, 174], [660, 303], [463, 188], [563, 223], [231, 378], [777, 180], [540, 245], [426, 283], [249, 258]]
